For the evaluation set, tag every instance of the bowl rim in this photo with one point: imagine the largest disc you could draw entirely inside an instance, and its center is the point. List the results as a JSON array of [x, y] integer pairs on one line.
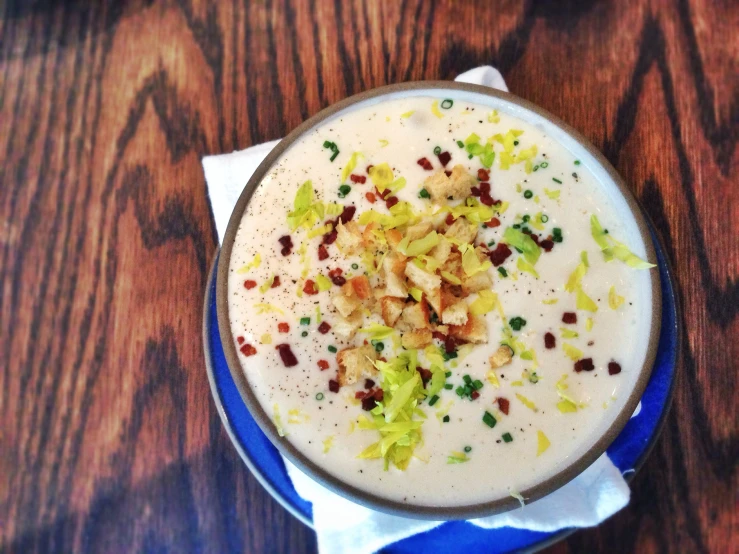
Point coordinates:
[[364, 498]]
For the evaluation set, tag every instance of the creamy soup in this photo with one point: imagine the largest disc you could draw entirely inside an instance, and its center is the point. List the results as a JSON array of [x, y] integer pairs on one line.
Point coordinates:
[[437, 301]]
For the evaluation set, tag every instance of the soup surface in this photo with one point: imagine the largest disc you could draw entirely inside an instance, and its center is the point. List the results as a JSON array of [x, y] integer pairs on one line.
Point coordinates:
[[432, 300]]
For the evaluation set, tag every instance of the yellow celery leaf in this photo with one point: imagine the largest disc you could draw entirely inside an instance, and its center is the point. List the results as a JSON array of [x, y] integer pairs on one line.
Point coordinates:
[[492, 378], [526, 402], [568, 333], [383, 143], [553, 194], [264, 287], [350, 165], [328, 443], [614, 300], [550, 301], [381, 176], [471, 263], [435, 109], [322, 230], [377, 331], [566, 406], [266, 338], [251, 265], [542, 443], [407, 114], [322, 282], [485, 302], [451, 278], [523, 265], [517, 383], [584, 302], [572, 352], [278, 420], [263, 308], [457, 458], [589, 324]]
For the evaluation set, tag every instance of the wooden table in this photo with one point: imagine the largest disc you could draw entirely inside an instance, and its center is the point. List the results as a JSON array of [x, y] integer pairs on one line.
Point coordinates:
[[110, 441]]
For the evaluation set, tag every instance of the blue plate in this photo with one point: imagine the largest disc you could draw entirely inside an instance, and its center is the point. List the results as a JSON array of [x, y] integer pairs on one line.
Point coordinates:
[[628, 451]]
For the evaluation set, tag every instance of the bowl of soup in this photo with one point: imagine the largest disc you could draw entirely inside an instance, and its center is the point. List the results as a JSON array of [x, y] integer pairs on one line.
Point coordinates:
[[438, 300]]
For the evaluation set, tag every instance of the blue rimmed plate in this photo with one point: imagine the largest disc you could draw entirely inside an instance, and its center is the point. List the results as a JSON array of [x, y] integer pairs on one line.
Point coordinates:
[[628, 451]]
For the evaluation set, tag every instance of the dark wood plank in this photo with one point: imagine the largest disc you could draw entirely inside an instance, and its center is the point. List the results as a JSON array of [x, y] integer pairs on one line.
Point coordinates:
[[109, 439]]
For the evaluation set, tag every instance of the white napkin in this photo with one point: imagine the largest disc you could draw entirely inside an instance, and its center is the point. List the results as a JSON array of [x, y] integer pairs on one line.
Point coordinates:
[[343, 526]]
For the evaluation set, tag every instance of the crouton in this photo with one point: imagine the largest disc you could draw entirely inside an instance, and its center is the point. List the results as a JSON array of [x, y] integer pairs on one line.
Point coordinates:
[[453, 265], [419, 338], [361, 286], [348, 238], [393, 237], [476, 283], [462, 182], [443, 329], [427, 282], [345, 305], [391, 309], [394, 263], [462, 230], [441, 251], [475, 330], [439, 187], [416, 315], [501, 357], [355, 362], [394, 267], [434, 300], [346, 328], [418, 231], [456, 314]]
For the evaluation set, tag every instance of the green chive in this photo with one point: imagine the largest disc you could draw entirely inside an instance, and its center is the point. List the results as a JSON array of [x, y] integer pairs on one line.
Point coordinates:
[[424, 194], [460, 144], [489, 420], [467, 379], [459, 391], [517, 323], [528, 194], [507, 437], [544, 165], [304, 334], [355, 266], [305, 321], [492, 242], [477, 384], [544, 218], [437, 150], [446, 419], [379, 347], [448, 374], [536, 168], [469, 157], [468, 449], [448, 386], [332, 349], [515, 143], [344, 189], [319, 396], [434, 400], [556, 180], [502, 271], [516, 225], [336, 153], [526, 218], [577, 162], [447, 103]]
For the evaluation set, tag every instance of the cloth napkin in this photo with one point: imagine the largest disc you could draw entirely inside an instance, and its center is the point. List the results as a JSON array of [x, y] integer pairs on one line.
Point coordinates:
[[343, 526]]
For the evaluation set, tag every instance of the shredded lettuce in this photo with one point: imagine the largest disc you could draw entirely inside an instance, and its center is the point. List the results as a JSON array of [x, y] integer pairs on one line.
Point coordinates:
[[612, 248], [575, 279], [420, 246], [350, 165], [614, 300], [438, 380], [572, 352], [473, 211], [523, 265], [485, 302], [542, 443], [251, 265], [471, 264], [526, 402], [322, 230], [523, 242], [584, 302]]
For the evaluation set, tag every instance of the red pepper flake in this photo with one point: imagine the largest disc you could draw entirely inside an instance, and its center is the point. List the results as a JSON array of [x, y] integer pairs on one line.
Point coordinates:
[[569, 317], [445, 158], [504, 405], [322, 365], [449, 219], [370, 196], [359, 179], [240, 340], [549, 341], [347, 215], [499, 255], [310, 287], [286, 354], [586, 364], [322, 252], [475, 191], [283, 327], [333, 385], [275, 282], [614, 368], [483, 175], [324, 328], [368, 383], [330, 238], [495, 222], [475, 395], [424, 163], [390, 202], [248, 350], [249, 284], [547, 245]]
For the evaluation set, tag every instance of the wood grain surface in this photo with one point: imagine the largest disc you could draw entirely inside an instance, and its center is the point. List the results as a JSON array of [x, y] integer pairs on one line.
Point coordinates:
[[109, 440]]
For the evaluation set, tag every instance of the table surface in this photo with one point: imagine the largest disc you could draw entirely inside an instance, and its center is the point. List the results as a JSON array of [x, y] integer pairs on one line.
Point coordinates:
[[110, 441]]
